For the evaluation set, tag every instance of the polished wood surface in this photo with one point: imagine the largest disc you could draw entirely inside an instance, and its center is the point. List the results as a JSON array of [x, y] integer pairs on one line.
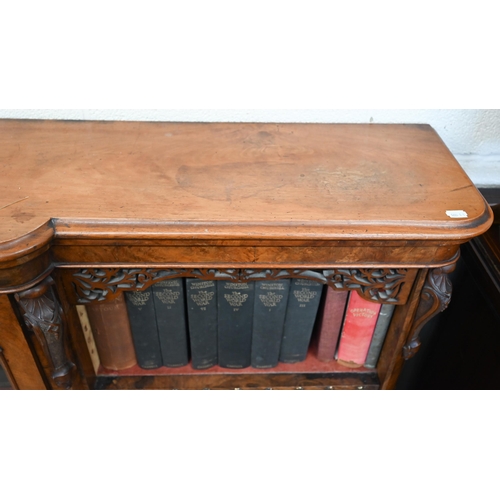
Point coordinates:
[[216, 195], [16, 350], [188, 180], [142, 199]]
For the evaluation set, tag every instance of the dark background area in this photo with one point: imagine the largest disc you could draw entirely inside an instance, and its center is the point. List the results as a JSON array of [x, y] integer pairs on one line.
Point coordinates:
[[461, 346]]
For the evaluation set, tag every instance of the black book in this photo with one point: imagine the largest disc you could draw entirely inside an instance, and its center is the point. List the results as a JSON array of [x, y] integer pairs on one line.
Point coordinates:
[[268, 320], [202, 318], [302, 308], [171, 320], [142, 317], [235, 314]]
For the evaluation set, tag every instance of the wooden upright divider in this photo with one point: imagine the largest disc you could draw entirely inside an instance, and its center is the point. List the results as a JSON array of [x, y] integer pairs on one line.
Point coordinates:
[[21, 366]]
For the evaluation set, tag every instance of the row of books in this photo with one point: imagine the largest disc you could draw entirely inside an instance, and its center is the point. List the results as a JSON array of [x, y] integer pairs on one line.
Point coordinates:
[[351, 329], [236, 325]]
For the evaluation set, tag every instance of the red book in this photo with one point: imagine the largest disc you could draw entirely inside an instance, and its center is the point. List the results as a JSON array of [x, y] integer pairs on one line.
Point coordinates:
[[330, 324], [359, 325]]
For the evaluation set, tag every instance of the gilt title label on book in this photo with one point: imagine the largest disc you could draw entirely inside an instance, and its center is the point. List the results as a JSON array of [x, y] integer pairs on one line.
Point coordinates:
[[361, 312], [168, 297], [202, 298], [236, 299], [139, 299], [270, 299], [304, 296]]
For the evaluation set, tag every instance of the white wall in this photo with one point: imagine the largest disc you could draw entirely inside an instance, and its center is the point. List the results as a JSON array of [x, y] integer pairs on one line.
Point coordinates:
[[472, 135]]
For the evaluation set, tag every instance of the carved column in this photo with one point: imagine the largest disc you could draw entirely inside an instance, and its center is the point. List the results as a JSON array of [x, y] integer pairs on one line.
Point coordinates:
[[43, 315], [435, 297]]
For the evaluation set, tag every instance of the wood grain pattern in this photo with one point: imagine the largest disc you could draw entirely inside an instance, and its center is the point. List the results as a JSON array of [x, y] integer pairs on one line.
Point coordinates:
[[16, 350], [292, 381], [7, 371], [256, 254], [266, 181], [194, 197]]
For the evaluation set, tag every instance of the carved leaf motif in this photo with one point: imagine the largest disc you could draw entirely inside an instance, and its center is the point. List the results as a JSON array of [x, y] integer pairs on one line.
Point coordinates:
[[435, 298], [379, 285], [42, 314]]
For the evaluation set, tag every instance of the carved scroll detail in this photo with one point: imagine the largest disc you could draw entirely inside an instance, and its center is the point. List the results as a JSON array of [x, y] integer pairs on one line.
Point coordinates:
[[435, 297], [379, 285], [43, 315]]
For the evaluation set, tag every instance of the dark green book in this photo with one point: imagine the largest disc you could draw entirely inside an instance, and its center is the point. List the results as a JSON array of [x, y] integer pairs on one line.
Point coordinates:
[[383, 321], [302, 308], [142, 317], [235, 314], [268, 320], [201, 299], [171, 320]]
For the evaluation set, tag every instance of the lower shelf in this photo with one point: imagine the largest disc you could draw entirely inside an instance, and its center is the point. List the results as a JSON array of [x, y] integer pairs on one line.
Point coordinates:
[[309, 374]]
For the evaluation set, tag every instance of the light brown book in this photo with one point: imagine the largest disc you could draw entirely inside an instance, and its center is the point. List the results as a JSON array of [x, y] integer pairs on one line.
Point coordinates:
[[330, 324], [113, 338]]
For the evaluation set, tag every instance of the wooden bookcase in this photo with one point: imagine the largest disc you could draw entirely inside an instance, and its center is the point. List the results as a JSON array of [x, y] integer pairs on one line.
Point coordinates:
[[89, 210]]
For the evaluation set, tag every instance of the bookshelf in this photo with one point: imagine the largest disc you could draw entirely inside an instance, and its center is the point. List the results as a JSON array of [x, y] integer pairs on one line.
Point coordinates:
[[91, 210]]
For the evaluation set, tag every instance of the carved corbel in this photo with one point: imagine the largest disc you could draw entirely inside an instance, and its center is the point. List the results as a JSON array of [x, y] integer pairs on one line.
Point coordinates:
[[435, 297], [43, 315]]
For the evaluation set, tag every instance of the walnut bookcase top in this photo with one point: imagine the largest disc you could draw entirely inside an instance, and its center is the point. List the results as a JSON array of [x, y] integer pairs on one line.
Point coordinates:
[[90, 209], [271, 180], [305, 187]]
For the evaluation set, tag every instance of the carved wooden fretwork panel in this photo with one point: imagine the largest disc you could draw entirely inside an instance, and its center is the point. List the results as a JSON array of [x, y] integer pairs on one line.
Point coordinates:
[[43, 315], [435, 297], [379, 285]]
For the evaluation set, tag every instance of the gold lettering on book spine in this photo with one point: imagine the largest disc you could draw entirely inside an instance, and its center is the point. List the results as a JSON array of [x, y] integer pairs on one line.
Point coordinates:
[[236, 299], [304, 295], [167, 296], [362, 312], [202, 298], [270, 299], [139, 299]]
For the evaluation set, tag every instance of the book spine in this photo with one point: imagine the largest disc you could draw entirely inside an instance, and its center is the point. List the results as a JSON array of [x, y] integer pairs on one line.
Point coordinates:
[[268, 321], [330, 323], [202, 320], [142, 317], [357, 332], [112, 335], [89, 337], [235, 313], [384, 319], [302, 308], [170, 310]]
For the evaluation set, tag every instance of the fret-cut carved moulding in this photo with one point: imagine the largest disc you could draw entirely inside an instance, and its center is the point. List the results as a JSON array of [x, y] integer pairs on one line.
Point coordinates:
[[390, 286]]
